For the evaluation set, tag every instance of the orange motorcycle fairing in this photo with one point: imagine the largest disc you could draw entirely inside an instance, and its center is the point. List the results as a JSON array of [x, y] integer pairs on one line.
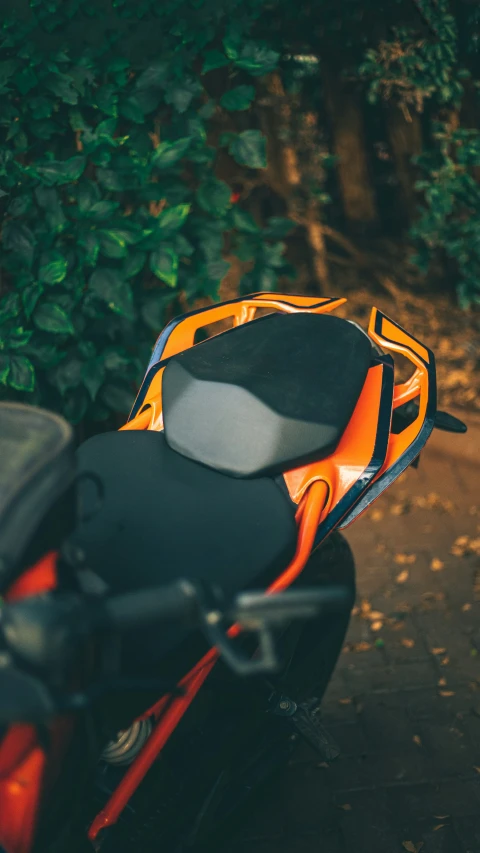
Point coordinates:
[[328, 493], [179, 334], [23, 761]]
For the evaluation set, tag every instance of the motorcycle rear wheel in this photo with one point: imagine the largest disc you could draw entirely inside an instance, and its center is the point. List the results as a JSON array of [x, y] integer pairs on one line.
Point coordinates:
[[165, 819]]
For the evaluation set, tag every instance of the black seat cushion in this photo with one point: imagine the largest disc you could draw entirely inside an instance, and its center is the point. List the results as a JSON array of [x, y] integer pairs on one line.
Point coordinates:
[[267, 396], [164, 517]]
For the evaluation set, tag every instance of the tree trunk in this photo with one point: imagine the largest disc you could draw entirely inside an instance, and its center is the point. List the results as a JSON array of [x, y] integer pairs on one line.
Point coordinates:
[[405, 137], [284, 176], [344, 108]]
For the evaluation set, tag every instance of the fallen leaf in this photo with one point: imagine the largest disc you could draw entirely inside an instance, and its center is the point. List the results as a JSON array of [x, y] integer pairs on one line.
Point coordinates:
[[476, 768], [442, 682], [438, 651], [381, 548], [346, 701], [441, 816], [417, 739], [346, 807], [355, 611], [375, 615], [403, 576], [400, 508], [376, 626], [411, 847], [376, 515], [436, 565], [365, 608], [409, 644], [405, 559], [362, 647], [438, 826], [324, 765], [466, 607], [445, 661], [446, 693]]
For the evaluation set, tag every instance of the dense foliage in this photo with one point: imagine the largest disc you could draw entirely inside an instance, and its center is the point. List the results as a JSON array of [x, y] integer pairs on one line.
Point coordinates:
[[112, 211], [127, 129]]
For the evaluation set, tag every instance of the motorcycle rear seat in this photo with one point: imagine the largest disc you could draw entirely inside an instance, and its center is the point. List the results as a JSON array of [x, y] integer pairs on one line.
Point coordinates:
[[268, 396], [164, 517], [37, 464]]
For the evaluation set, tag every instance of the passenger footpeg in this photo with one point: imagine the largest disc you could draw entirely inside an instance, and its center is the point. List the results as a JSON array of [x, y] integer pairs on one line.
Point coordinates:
[[305, 719]]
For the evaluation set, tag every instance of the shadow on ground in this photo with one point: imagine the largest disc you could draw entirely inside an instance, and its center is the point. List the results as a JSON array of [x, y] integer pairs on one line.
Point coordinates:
[[405, 702]]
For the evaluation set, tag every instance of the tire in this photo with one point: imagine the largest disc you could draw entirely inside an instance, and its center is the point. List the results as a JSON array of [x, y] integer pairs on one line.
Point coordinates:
[[162, 823]]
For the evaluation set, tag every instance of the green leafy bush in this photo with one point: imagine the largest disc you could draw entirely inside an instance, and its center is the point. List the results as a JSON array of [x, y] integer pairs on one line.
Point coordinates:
[[113, 214], [450, 219]]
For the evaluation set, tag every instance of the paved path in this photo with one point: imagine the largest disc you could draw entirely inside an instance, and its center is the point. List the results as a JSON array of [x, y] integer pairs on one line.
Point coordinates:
[[405, 701]]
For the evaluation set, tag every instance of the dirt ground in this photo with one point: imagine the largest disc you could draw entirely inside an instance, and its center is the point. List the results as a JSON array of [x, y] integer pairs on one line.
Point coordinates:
[[404, 704]]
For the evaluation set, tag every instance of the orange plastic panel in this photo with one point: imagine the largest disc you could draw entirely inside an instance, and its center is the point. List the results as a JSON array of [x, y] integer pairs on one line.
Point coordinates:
[[343, 468]]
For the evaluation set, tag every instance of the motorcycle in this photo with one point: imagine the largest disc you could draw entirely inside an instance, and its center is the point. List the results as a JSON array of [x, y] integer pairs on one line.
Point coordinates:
[[176, 593]]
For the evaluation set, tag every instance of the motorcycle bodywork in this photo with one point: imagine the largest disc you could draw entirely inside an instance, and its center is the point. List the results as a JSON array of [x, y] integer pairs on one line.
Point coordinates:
[[325, 444]]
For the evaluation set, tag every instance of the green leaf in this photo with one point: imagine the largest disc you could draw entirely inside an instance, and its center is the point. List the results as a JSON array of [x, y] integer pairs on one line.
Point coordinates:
[[134, 264], [164, 264], [106, 99], [93, 376], [30, 297], [41, 107], [88, 194], [118, 397], [173, 218], [244, 221], [18, 338], [102, 210], [110, 180], [53, 272], [181, 95], [9, 307], [254, 57], [213, 196], [168, 153], [131, 109], [217, 270], [279, 227], [18, 238], [25, 80], [273, 255], [4, 368], [58, 172], [52, 318], [110, 286], [213, 59], [238, 99], [154, 308], [7, 70], [22, 373], [62, 86], [155, 76], [91, 244], [19, 206], [250, 149], [75, 405], [68, 374], [113, 244]]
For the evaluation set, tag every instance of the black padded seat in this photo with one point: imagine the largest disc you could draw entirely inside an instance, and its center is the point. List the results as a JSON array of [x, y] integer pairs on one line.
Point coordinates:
[[36, 469], [268, 396], [164, 517]]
